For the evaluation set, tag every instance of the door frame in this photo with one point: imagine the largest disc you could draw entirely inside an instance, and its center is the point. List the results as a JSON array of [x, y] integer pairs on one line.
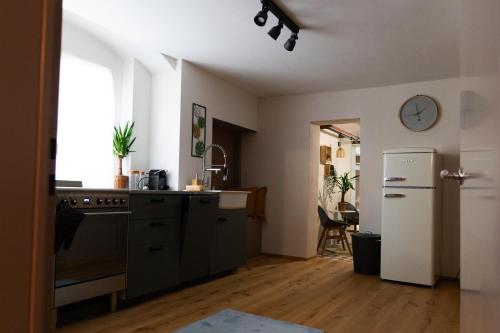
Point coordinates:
[[29, 92], [314, 151]]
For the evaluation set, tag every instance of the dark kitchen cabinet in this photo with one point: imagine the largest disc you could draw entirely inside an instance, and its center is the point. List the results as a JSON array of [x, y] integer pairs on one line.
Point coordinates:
[[198, 225], [229, 250], [152, 268], [154, 230], [155, 206], [154, 243]]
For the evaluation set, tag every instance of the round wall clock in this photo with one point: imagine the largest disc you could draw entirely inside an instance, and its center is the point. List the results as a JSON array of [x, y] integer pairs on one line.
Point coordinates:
[[419, 113]]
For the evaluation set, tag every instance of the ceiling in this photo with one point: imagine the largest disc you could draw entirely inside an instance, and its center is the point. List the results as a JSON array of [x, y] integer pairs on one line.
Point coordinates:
[[353, 128], [344, 44]]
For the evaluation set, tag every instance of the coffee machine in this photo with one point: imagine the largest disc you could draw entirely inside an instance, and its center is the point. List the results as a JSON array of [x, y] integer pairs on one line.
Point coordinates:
[[157, 180]]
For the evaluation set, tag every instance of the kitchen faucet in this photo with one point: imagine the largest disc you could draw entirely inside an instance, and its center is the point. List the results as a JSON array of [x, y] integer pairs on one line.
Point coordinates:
[[214, 168]]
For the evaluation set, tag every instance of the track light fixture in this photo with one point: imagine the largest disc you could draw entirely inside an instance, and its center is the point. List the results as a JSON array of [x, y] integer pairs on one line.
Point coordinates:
[[276, 31], [261, 19], [290, 43]]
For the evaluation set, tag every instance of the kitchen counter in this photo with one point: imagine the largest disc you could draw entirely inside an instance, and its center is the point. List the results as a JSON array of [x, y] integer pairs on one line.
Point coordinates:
[[172, 192], [114, 190]]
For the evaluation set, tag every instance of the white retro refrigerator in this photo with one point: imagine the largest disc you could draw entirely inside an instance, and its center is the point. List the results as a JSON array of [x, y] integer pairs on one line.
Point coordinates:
[[411, 216]]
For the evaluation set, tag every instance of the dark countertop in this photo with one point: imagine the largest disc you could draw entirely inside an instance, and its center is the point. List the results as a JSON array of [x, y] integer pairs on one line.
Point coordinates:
[[172, 192], [127, 191]]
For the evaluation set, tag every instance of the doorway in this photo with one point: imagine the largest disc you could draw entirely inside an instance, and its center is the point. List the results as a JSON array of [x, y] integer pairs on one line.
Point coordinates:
[[228, 136], [338, 186]]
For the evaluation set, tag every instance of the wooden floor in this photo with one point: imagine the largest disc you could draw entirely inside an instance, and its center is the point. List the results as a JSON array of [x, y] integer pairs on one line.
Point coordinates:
[[322, 292]]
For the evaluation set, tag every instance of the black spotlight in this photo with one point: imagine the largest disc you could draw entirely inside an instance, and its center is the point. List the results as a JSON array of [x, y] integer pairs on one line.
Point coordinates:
[[275, 31], [290, 43], [261, 17]]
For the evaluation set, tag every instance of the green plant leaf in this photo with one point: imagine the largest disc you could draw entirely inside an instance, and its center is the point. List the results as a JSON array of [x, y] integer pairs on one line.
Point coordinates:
[[201, 122], [344, 183], [199, 148], [122, 140]]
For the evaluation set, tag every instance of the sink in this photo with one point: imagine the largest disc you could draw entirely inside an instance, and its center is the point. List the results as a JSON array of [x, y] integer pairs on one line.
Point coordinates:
[[232, 199]]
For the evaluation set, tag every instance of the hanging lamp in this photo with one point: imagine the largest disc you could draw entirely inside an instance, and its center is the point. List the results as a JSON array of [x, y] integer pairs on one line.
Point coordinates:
[[340, 151]]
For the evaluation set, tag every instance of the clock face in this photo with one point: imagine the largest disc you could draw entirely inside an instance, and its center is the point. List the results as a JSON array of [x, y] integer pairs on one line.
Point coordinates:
[[419, 113]]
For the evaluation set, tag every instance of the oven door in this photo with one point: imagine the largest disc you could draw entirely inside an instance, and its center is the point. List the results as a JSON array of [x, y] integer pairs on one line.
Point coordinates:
[[98, 249]]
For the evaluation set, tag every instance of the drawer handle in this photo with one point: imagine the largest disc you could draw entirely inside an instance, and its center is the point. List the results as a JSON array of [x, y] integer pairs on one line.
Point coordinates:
[[109, 213], [156, 248], [222, 219], [394, 179], [205, 202], [156, 224], [155, 200], [395, 195]]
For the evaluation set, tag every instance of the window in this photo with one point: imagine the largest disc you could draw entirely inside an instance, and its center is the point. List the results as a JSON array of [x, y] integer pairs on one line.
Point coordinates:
[[85, 123]]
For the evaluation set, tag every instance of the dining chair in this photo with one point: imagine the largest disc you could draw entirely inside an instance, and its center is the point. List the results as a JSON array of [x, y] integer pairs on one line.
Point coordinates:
[[330, 225], [352, 218]]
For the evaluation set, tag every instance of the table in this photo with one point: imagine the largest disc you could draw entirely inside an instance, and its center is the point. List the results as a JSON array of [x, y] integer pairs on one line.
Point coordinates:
[[344, 213]]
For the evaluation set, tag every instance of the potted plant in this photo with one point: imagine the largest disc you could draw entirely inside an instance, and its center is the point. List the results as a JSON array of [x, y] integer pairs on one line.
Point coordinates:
[[344, 183], [122, 144]]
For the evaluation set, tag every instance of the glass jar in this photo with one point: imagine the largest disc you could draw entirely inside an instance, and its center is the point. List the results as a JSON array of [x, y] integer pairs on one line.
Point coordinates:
[[135, 176]]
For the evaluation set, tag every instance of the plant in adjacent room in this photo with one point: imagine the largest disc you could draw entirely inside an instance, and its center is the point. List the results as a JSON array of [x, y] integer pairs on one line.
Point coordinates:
[[122, 146], [345, 183], [330, 183]]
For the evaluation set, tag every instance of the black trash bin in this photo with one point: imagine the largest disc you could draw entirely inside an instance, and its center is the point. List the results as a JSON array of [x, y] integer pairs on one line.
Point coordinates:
[[366, 253]]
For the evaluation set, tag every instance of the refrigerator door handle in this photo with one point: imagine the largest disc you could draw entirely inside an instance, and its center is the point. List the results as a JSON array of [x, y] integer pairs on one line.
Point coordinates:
[[394, 179], [394, 195]]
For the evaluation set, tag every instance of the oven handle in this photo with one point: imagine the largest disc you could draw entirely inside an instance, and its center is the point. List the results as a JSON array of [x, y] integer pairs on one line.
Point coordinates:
[[128, 212]]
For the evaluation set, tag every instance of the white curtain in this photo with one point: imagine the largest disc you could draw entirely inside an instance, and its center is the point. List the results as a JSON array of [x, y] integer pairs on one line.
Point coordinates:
[[85, 123]]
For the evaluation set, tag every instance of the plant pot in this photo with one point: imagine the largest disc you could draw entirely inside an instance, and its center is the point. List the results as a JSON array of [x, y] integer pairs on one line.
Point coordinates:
[[343, 206], [121, 181]]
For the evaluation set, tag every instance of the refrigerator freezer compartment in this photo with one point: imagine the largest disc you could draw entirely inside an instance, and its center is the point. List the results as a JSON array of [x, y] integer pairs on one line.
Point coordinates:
[[410, 170]]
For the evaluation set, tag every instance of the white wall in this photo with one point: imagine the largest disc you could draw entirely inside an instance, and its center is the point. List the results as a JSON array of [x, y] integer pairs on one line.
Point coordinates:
[[278, 156], [223, 101], [165, 122], [141, 110]]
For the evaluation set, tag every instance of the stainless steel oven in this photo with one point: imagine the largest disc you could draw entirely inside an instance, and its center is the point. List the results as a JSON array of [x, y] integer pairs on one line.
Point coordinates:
[[91, 259]]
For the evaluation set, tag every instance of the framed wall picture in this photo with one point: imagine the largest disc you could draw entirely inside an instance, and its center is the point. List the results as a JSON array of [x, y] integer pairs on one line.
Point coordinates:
[[325, 154], [199, 130], [329, 170]]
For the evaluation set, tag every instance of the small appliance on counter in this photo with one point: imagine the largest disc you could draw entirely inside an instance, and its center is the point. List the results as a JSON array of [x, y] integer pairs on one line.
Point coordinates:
[[157, 180], [153, 180]]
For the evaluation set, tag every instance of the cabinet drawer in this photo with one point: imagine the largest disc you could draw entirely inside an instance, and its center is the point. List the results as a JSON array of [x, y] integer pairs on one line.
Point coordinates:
[[199, 204], [159, 230], [151, 268], [153, 206], [235, 215]]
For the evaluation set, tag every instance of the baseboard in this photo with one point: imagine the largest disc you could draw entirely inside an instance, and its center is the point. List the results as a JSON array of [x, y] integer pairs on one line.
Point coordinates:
[[449, 278], [288, 257]]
